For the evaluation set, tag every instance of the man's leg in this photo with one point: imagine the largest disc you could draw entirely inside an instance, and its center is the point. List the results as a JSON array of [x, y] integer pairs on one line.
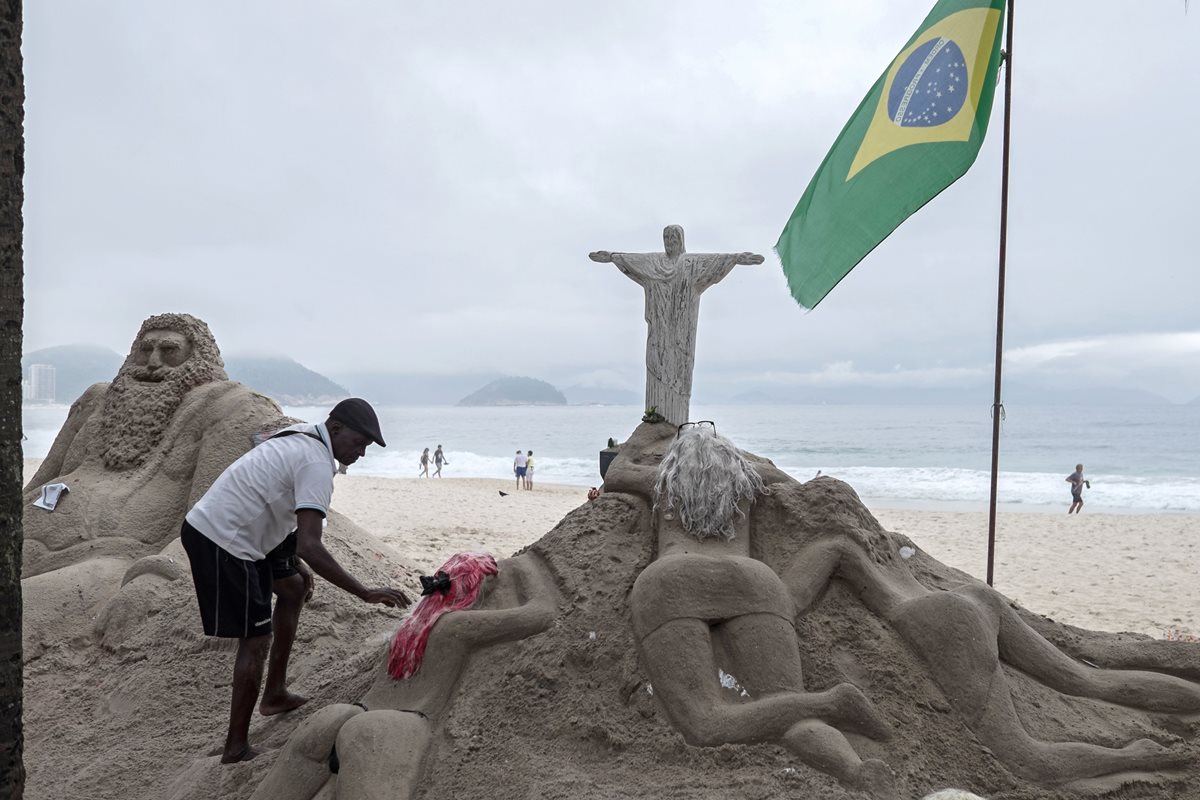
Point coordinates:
[[247, 678], [289, 594]]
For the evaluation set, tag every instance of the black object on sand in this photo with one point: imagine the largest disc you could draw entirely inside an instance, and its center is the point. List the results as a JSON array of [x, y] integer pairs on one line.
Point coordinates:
[[502, 494]]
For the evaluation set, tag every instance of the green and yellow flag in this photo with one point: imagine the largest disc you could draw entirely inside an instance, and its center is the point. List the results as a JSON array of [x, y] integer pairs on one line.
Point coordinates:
[[916, 132]]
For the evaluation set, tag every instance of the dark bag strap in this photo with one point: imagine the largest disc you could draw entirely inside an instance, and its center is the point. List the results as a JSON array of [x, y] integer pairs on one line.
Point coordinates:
[[293, 433]]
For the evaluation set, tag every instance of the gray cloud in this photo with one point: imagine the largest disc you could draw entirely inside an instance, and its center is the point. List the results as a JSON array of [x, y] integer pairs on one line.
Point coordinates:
[[416, 186]]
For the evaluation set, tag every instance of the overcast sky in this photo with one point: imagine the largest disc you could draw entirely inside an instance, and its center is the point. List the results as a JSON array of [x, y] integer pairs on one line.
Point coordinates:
[[415, 186]]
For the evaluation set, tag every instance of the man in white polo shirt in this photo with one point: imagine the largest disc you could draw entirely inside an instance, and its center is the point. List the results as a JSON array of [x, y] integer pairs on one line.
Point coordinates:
[[243, 538]]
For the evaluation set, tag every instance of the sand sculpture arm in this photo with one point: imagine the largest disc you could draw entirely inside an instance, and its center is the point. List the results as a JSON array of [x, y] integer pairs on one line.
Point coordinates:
[[538, 608], [808, 578], [624, 475], [232, 415], [55, 461]]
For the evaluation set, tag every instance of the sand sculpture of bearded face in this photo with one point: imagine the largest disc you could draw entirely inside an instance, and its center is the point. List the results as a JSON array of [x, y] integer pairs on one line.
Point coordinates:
[[171, 355]]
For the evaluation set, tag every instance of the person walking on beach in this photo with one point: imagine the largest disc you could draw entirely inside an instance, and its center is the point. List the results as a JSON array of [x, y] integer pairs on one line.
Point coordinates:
[[529, 470], [250, 535], [1077, 483], [424, 464], [439, 458], [519, 463]]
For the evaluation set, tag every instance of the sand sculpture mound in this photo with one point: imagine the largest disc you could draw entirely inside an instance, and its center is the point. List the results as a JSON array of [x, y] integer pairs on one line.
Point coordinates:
[[571, 710]]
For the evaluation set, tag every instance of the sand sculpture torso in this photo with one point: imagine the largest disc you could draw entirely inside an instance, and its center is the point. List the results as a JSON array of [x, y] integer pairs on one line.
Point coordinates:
[[673, 282], [377, 748], [137, 452], [705, 613]]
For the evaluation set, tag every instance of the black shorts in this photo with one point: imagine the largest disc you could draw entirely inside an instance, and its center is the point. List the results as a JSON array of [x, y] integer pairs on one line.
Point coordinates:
[[235, 594]]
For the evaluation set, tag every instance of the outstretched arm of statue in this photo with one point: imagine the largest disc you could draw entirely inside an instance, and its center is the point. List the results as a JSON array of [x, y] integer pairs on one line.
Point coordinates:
[[538, 599], [81, 411], [711, 268], [638, 266], [310, 548]]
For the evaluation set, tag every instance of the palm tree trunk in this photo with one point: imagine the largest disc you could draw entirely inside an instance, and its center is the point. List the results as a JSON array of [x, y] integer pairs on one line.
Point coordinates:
[[12, 172]]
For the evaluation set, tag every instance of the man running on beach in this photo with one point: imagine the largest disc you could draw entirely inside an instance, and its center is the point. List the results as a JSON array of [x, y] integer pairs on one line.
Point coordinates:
[[1077, 483], [245, 538]]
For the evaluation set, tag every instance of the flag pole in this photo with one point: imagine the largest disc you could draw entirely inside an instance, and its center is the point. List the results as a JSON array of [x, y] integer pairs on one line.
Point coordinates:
[[997, 406]]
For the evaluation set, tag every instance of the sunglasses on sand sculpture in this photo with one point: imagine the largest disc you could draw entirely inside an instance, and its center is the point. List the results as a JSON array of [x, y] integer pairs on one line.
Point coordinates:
[[704, 423]]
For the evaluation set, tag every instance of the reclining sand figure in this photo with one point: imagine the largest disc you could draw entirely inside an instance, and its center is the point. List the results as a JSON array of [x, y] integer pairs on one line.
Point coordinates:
[[378, 747], [704, 593], [963, 635]]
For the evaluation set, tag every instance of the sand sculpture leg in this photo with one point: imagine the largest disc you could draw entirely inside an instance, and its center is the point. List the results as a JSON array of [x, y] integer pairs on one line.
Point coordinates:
[[1026, 649], [683, 671], [302, 769], [958, 635]]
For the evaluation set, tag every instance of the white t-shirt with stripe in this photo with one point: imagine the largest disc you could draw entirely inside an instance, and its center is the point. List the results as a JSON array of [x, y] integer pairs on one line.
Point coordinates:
[[251, 507]]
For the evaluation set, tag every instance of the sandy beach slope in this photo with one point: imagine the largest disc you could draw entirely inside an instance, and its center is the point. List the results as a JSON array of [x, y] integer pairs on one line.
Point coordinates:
[[1110, 572]]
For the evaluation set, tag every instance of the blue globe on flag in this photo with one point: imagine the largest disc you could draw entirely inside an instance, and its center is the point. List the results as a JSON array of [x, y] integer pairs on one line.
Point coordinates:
[[930, 87]]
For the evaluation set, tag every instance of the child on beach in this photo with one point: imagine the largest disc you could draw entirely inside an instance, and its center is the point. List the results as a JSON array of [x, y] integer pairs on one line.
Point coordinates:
[[1077, 483]]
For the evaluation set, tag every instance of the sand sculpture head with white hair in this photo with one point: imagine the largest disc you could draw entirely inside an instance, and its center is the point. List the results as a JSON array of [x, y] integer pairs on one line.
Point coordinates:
[[137, 452], [706, 479]]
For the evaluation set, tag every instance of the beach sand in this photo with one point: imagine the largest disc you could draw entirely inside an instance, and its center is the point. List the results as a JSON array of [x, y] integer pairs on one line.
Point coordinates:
[[1108, 572], [1104, 572]]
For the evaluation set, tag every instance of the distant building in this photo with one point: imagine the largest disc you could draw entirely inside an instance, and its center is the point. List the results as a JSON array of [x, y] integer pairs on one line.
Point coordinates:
[[41, 381]]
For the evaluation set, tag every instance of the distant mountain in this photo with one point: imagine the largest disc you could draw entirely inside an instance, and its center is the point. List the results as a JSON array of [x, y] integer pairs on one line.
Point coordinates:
[[412, 389], [515, 392], [600, 396], [76, 367], [286, 381]]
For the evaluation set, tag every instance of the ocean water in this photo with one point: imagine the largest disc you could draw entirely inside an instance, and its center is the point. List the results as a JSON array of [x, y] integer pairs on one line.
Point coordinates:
[[1138, 458]]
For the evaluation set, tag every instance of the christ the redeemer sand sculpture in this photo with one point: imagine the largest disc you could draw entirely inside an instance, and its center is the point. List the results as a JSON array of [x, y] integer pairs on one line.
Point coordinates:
[[673, 282]]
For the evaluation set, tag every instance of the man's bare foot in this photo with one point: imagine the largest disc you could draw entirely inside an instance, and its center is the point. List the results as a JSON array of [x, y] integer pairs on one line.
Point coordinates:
[[279, 704], [243, 753]]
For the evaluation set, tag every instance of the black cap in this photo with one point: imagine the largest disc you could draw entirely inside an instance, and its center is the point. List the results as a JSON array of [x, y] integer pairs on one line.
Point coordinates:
[[357, 414]]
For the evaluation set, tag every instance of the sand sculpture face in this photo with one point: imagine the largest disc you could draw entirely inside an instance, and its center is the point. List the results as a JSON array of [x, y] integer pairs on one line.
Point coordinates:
[[673, 241], [172, 354], [155, 349]]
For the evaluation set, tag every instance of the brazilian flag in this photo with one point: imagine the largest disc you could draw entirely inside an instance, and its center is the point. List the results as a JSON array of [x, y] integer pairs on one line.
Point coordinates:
[[916, 132]]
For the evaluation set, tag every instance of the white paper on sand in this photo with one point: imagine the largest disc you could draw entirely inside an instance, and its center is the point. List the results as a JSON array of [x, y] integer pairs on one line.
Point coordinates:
[[51, 494]]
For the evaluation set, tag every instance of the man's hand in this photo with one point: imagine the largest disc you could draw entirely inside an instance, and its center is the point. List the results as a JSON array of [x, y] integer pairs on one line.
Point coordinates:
[[387, 596], [748, 258], [602, 256], [307, 575]]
